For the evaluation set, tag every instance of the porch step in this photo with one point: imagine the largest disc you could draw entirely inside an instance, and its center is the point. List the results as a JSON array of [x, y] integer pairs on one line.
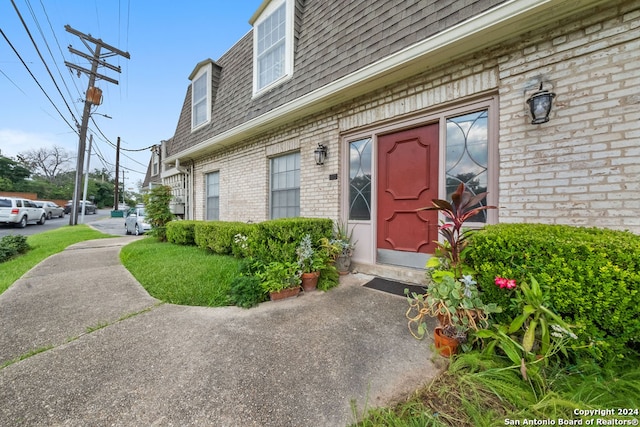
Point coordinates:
[[392, 272]]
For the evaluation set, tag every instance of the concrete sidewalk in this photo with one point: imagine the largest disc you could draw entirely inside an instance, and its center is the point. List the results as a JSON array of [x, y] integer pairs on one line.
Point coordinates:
[[113, 355]]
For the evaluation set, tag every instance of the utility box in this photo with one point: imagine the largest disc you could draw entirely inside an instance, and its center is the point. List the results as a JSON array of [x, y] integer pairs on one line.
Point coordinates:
[[176, 208]]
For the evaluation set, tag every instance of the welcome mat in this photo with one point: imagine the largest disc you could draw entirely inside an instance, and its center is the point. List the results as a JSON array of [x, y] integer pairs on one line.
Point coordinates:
[[392, 287]]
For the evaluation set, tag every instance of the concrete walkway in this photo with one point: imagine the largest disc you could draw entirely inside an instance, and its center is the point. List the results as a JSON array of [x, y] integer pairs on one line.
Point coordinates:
[[109, 354]]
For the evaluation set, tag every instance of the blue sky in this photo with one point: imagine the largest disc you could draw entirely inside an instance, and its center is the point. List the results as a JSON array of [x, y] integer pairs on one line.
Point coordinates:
[[165, 39]]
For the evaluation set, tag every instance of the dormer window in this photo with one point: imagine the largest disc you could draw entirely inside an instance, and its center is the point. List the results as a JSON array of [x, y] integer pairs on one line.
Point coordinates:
[[272, 44], [201, 97]]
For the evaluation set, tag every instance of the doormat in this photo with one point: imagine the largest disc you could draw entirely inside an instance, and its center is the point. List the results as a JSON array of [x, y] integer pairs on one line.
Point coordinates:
[[396, 288]]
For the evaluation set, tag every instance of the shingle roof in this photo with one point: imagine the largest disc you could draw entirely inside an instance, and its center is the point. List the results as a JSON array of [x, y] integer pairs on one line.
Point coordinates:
[[335, 38]]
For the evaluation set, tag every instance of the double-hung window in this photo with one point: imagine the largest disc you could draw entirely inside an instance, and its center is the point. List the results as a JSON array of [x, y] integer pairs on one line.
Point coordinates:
[[213, 196], [285, 186], [200, 93], [273, 45]]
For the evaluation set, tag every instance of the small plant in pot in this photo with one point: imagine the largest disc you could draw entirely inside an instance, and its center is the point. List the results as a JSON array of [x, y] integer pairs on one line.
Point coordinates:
[[280, 279], [457, 305], [310, 262], [452, 295], [340, 247]]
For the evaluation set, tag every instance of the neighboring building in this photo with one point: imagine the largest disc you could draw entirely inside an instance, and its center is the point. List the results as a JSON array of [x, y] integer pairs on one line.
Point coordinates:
[[409, 98]]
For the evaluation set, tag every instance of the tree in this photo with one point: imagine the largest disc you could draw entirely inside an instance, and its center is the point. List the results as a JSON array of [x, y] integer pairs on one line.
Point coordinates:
[[157, 210], [46, 162], [11, 173]]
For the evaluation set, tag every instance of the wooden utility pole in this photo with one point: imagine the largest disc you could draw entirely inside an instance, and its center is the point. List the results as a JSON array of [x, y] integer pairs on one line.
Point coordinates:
[[117, 186], [97, 60]]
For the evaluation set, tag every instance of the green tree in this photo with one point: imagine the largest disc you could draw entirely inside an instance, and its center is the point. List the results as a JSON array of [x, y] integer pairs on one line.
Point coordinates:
[[157, 210], [12, 173]]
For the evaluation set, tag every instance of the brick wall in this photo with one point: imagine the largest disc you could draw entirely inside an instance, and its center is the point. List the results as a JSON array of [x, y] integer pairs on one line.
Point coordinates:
[[582, 167]]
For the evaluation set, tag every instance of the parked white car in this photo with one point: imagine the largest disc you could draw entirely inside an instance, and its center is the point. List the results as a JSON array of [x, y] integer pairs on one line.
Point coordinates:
[[19, 212], [135, 221]]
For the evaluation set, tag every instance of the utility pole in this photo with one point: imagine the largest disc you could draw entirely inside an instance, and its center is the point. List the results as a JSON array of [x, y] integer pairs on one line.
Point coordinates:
[[93, 96], [116, 188]]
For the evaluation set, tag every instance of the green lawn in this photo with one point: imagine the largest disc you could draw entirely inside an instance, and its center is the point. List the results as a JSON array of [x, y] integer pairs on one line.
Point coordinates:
[[178, 274], [44, 245]]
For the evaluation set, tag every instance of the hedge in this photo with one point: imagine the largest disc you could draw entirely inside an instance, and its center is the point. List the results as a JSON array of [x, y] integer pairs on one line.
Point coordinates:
[[181, 232], [12, 245], [592, 276], [277, 239], [218, 236]]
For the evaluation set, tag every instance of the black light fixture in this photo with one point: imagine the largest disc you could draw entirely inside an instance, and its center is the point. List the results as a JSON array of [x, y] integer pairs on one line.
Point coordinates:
[[320, 154], [540, 105]]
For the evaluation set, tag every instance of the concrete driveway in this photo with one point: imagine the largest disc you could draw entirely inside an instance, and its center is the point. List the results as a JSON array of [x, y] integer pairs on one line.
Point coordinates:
[[112, 355]]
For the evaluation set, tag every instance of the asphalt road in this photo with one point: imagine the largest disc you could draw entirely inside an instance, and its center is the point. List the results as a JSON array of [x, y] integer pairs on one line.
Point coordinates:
[[101, 220]]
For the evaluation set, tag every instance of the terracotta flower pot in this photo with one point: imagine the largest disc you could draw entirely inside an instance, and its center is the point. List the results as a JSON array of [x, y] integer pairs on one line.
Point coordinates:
[[285, 293], [310, 281], [446, 346]]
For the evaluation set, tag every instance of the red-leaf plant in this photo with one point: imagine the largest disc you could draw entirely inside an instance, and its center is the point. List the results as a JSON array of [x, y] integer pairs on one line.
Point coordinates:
[[460, 209]]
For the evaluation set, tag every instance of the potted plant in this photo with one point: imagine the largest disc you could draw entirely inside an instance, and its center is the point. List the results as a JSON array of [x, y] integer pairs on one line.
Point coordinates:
[[310, 262], [457, 305], [452, 295], [340, 247], [280, 280]]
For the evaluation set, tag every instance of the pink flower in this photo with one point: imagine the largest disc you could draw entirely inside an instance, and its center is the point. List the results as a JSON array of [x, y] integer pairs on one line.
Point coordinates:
[[505, 283]]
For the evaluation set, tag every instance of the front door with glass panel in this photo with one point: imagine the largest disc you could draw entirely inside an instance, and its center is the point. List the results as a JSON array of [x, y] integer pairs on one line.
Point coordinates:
[[407, 181]]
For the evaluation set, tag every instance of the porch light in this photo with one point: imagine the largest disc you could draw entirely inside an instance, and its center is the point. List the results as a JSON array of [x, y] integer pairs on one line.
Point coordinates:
[[320, 154], [540, 105]]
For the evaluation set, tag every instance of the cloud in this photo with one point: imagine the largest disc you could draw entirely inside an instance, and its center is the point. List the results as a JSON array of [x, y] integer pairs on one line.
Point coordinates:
[[14, 141]]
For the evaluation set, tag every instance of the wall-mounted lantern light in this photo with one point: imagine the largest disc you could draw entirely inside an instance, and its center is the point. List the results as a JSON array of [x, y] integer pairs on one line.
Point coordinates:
[[540, 105], [320, 154]]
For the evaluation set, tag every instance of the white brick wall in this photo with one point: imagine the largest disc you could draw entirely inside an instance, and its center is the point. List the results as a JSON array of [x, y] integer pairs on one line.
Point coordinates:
[[584, 162], [580, 168]]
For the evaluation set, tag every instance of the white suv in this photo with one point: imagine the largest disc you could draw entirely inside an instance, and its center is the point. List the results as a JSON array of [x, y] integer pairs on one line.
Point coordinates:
[[17, 211]]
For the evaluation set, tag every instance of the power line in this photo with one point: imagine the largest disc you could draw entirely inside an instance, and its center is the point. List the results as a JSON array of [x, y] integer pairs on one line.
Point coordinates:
[[37, 82], [24, 24]]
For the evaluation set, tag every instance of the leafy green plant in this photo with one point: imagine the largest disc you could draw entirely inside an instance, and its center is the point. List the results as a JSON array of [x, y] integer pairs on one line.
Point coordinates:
[[310, 260], [592, 276], [157, 210], [12, 245], [277, 276], [455, 302], [246, 292]]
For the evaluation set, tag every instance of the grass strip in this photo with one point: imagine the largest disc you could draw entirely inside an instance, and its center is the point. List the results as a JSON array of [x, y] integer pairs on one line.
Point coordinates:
[[42, 246], [177, 274]]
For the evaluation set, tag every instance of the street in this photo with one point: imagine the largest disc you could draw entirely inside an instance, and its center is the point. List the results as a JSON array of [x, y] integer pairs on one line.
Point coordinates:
[[101, 220]]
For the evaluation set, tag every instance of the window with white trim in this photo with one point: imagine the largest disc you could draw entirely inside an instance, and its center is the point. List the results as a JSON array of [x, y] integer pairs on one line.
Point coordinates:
[[273, 45], [285, 186], [213, 196], [200, 98], [467, 155]]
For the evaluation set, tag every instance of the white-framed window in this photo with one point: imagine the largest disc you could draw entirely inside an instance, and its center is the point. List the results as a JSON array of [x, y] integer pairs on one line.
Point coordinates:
[[360, 166], [155, 161], [285, 186], [273, 44], [213, 196], [201, 97], [467, 156]]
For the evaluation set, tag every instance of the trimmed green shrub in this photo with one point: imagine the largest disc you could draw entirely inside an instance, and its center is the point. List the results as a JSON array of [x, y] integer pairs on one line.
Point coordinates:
[[181, 232], [218, 236], [277, 239], [592, 275], [13, 245]]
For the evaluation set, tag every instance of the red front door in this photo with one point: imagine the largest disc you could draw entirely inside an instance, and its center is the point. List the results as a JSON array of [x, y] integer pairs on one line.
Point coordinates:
[[407, 180]]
